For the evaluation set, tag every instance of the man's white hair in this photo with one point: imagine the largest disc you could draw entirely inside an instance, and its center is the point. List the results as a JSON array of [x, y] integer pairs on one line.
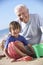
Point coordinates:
[[20, 6]]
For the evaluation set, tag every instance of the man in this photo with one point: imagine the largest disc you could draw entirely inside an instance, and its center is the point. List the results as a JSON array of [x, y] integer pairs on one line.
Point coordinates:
[[30, 23]]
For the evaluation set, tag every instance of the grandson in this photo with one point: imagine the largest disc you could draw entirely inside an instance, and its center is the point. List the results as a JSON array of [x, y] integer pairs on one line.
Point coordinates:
[[15, 43]]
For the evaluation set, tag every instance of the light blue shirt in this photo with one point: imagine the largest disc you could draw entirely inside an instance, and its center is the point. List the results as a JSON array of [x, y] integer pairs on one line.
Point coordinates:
[[32, 29]]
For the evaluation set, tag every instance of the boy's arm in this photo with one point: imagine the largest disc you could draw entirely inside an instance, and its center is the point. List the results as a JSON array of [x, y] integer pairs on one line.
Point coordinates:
[[19, 52], [6, 53], [21, 46]]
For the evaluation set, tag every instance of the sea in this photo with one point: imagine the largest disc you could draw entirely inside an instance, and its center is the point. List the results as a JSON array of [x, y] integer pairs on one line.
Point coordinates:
[[3, 33]]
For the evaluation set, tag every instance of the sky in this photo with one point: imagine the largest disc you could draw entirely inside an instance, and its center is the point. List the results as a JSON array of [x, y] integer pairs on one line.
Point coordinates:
[[7, 10]]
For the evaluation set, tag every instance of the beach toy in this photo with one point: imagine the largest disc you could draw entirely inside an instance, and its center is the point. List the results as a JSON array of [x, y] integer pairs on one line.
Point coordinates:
[[38, 48]]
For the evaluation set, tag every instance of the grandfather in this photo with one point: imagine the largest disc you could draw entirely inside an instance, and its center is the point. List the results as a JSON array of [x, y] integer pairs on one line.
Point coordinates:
[[31, 24]]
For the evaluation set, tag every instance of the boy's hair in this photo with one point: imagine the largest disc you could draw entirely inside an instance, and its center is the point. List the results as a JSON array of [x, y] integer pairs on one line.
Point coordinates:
[[14, 25]]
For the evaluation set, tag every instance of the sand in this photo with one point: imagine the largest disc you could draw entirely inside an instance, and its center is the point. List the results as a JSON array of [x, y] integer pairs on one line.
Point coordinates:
[[5, 61]]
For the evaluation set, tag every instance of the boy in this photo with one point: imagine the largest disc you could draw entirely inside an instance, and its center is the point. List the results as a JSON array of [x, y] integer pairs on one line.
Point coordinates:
[[15, 43]]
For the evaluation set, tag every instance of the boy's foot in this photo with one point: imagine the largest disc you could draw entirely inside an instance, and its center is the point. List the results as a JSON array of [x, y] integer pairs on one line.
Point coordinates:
[[26, 58], [12, 60]]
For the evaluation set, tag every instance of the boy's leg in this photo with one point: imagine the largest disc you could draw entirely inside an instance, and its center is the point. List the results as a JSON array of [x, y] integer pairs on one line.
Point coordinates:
[[24, 49], [14, 51], [21, 46]]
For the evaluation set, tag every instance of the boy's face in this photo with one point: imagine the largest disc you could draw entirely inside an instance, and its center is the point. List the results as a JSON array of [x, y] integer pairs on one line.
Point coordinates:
[[15, 32]]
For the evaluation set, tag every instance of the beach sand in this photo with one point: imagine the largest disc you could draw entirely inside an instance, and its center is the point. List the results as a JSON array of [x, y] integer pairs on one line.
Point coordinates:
[[5, 61]]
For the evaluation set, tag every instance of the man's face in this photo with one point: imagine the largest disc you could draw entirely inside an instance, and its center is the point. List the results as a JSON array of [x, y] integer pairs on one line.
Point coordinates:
[[23, 15]]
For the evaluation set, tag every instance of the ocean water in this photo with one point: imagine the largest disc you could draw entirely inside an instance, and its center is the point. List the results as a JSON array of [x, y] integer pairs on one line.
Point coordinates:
[[3, 33]]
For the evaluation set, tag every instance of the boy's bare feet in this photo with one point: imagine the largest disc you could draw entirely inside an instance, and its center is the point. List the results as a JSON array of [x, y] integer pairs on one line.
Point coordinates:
[[12, 60]]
